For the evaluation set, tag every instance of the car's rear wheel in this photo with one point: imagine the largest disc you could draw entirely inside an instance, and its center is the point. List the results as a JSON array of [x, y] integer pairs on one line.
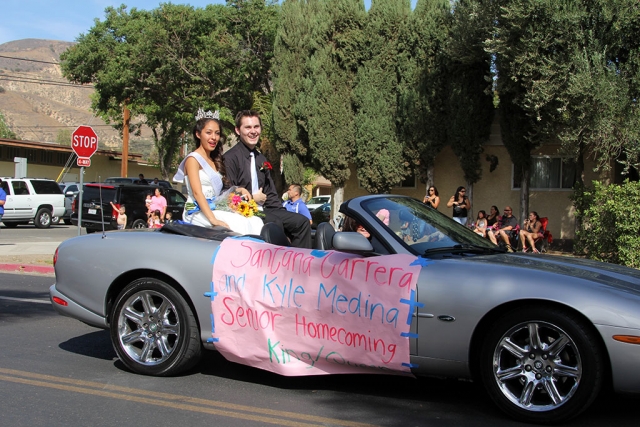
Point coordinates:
[[542, 364], [139, 223], [42, 218], [153, 329], [55, 220]]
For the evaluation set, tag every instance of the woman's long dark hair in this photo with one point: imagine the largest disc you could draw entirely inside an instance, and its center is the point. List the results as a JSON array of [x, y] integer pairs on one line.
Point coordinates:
[[216, 154], [458, 193]]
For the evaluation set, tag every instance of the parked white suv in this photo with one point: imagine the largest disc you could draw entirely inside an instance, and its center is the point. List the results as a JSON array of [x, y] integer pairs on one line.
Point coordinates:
[[31, 199]]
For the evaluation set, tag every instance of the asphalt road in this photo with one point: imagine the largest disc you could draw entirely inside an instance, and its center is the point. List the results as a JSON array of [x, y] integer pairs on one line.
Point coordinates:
[[56, 371]]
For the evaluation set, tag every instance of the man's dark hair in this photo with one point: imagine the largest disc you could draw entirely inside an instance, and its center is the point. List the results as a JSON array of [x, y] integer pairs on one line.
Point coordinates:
[[246, 113], [297, 188]]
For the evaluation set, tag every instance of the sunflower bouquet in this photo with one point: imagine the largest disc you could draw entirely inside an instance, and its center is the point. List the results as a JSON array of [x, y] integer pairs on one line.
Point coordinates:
[[246, 208], [230, 201]]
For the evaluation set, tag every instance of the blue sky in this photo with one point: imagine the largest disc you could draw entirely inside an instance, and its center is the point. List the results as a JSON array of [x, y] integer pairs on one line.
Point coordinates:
[[66, 19]]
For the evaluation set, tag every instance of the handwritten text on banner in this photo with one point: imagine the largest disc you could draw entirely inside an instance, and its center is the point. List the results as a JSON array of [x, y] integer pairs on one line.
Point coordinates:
[[303, 312]]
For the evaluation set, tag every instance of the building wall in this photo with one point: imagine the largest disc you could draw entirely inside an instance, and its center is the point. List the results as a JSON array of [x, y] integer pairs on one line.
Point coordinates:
[[495, 188], [101, 167]]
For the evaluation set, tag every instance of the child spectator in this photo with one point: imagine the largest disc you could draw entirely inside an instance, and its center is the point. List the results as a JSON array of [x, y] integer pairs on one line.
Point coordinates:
[[167, 218], [122, 216], [154, 220], [480, 226], [147, 202]]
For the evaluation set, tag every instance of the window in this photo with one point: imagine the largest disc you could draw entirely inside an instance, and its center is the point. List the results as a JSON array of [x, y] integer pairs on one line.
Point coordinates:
[[549, 172], [409, 182]]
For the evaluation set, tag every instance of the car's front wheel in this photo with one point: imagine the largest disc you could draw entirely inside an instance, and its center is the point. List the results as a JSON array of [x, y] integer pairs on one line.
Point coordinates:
[[42, 218], [542, 364], [153, 329]]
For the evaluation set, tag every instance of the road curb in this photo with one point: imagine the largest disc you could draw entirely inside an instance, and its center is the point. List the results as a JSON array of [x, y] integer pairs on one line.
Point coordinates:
[[26, 268]]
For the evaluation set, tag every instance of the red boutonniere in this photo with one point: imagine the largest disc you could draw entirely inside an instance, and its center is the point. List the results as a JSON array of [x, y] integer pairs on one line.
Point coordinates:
[[265, 167]]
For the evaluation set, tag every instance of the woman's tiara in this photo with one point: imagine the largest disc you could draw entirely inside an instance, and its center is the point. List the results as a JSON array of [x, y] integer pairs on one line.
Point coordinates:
[[207, 114]]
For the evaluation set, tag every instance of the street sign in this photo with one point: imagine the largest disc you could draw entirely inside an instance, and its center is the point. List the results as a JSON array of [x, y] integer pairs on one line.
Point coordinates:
[[84, 142], [84, 162]]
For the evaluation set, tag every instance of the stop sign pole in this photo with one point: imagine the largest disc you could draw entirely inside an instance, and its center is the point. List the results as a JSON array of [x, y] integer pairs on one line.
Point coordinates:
[[84, 142]]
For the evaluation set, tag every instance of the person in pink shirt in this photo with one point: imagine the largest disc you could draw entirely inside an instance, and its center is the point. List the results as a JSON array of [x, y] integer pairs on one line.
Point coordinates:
[[158, 203]]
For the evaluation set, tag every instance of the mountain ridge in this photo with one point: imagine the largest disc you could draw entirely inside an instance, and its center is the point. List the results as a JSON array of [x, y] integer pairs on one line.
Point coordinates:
[[39, 105]]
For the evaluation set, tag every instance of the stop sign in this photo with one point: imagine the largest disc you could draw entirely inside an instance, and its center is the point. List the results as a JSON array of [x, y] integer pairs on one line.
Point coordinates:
[[84, 141]]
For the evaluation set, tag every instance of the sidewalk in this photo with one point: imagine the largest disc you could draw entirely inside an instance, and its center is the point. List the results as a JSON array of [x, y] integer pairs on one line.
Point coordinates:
[[27, 257]]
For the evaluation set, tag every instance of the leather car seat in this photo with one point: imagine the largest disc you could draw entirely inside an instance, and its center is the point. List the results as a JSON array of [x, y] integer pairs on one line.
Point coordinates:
[[324, 236], [274, 234]]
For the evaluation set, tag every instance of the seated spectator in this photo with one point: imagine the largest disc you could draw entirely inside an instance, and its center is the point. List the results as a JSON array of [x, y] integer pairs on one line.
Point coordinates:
[[505, 229], [351, 224], [167, 218], [493, 216], [480, 227], [531, 231]]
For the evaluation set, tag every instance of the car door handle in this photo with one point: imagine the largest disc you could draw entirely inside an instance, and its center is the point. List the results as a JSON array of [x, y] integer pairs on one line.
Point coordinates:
[[425, 315]]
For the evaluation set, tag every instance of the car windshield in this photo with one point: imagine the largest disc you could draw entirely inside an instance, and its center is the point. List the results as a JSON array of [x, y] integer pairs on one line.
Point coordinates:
[[318, 200], [423, 229]]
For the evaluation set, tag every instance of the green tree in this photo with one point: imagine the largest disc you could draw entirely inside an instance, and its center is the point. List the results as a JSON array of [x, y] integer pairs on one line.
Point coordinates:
[[379, 152], [5, 131], [63, 137], [328, 86], [567, 70], [168, 62], [423, 90], [292, 47]]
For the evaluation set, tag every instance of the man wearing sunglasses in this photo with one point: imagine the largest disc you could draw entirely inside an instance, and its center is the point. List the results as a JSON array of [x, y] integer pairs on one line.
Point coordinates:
[[504, 229]]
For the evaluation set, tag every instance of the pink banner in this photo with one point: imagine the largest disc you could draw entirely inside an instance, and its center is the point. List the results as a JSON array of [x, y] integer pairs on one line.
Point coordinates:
[[307, 312]]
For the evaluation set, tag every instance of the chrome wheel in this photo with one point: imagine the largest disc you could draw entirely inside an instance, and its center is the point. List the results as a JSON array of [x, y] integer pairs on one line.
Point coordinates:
[[537, 366], [153, 329], [542, 364], [148, 327]]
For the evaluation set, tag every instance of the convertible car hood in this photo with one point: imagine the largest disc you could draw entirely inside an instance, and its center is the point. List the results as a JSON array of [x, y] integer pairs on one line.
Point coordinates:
[[623, 278]]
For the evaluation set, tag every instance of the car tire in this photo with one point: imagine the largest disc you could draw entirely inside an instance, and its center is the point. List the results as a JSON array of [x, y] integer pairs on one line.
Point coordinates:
[[55, 220], [42, 218], [546, 383], [139, 223], [154, 330]]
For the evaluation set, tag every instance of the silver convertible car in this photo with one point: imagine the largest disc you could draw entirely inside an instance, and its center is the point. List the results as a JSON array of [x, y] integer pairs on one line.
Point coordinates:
[[422, 295]]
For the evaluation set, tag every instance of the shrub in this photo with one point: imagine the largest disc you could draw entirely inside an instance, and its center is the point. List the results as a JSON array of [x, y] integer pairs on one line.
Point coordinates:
[[609, 222]]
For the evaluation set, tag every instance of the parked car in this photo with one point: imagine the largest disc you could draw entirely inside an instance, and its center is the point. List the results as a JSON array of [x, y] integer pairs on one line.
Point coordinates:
[[31, 199], [544, 334], [321, 214], [317, 201], [70, 190], [97, 211], [123, 180]]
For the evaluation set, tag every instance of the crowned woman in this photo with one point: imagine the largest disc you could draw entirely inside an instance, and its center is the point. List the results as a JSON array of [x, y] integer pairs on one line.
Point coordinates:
[[204, 173]]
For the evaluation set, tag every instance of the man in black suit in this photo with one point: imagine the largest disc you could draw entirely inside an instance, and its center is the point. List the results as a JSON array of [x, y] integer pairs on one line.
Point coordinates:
[[247, 167]]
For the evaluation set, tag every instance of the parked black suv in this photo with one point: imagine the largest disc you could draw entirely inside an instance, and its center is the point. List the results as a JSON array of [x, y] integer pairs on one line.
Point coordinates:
[[97, 210]]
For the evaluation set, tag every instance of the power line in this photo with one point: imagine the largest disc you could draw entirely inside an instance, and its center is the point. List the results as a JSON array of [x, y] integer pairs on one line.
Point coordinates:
[[29, 60], [43, 82], [55, 126]]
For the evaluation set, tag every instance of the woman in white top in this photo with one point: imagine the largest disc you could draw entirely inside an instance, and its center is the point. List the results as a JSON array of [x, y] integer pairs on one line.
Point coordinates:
[[204, 173]]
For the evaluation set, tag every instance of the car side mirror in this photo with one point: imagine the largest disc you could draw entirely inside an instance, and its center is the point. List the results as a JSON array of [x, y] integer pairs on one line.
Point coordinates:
[[351, 241]]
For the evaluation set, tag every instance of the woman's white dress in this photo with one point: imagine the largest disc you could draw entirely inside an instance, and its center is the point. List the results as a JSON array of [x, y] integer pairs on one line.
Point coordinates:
[[211, 182]]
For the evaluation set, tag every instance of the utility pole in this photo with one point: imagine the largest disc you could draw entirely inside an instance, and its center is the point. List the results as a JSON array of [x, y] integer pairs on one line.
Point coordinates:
[[124, 168]]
